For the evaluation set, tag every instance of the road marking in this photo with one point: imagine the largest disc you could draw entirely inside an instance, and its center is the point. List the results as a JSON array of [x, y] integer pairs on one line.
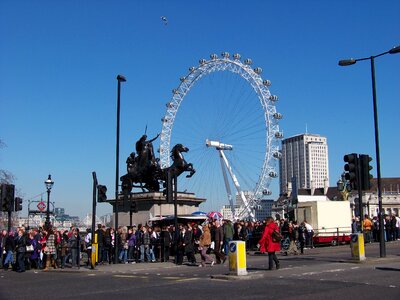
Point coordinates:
[[186, 279]]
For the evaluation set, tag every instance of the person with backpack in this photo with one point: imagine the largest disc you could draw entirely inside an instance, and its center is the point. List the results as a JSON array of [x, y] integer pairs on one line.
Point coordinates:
[[270, 242]]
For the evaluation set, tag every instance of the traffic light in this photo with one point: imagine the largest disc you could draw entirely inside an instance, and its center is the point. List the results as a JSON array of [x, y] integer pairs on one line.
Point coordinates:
[[134, 207], [365, 172], [7, 197], [351, 169], [101, 193], [18, 204], [168, 191]]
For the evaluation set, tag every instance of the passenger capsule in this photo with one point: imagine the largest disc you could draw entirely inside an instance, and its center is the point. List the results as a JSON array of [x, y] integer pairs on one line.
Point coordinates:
[[277, 154], [248, 61], [266, 192], [191, 69], [182, 79], [213, 56], [273, 174], [278, 135], [258, 70], [278, 116], [236, 56], [202, 61], [273, 98], [267, 82], [175, 91], [225, 54]]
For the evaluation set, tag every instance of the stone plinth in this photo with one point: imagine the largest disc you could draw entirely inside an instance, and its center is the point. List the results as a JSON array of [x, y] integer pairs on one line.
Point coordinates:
[[154, 204]]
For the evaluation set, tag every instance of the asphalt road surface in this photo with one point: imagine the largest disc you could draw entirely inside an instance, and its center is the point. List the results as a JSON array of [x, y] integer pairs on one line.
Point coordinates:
[[321, 273]]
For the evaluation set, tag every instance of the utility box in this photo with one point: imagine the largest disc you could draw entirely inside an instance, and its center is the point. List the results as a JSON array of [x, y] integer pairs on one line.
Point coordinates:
[[357, 246], [237, 258]]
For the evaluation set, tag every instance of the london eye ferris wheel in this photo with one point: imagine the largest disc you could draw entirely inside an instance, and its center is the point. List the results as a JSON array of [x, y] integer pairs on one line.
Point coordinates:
[[224, 100]]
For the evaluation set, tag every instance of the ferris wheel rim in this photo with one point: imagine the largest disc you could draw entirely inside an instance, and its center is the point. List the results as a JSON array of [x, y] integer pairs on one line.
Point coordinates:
[[266, 99]]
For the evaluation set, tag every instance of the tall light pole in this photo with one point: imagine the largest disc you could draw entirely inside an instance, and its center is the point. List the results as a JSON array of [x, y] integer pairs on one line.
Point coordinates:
[[120, 79], [49, 184], [352, 61]]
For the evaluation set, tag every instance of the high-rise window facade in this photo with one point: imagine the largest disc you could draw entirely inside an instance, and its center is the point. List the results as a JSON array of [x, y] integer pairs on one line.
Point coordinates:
[[305, 157]]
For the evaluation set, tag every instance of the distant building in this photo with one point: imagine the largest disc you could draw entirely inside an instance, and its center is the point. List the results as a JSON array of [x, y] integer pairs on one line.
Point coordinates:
[[262, 211], [304, 157]]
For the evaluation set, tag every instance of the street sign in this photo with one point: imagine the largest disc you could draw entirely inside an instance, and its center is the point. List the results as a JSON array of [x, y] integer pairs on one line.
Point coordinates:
[[41, 206]]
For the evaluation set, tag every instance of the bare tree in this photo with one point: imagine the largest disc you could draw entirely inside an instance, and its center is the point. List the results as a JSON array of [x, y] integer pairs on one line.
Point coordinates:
[[5, 176]]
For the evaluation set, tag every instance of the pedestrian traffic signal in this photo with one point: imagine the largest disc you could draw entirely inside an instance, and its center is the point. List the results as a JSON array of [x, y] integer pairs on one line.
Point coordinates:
[[101, 193], [351, 169], [366, 168], [18, 204], [134, 207]]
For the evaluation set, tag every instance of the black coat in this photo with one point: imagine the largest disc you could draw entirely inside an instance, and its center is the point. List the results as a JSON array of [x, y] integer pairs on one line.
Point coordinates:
[[20, 243]]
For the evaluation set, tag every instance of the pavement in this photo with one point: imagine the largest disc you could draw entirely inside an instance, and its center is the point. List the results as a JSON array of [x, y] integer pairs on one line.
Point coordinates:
[[333, 254]]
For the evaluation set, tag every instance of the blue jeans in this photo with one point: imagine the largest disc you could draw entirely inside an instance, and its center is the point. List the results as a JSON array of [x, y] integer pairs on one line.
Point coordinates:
[[150, 253], [141, 247], [123, 255], [9, 258], [226, 245]]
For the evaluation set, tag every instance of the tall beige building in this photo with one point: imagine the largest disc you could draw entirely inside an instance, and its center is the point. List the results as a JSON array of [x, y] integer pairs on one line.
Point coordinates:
[[305, 157]]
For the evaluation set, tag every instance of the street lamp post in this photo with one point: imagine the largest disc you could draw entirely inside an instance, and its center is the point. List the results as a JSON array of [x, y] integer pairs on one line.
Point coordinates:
[[120, 79], [352, 61], [49, 184]]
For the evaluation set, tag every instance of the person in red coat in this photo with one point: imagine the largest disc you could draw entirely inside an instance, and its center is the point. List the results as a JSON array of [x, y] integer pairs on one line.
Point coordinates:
[[266, 243]]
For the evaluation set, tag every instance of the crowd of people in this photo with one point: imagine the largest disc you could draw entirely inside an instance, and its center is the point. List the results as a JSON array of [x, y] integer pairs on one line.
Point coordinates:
[[40, 248], [371, 229]]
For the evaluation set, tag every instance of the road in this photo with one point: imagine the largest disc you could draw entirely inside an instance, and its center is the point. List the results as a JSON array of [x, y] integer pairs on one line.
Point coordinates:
[[321, 273]]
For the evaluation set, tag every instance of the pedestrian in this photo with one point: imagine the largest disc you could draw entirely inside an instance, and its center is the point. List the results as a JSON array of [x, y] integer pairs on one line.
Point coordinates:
[[188, 244], [88, 246], [180, 244], [293, 237], [204, 244], [302, 236], [9, 247], [367, 229], [132, 256], [65, 250], [123, 245], [50, 250], [148, 247], [309, 235], [228, 234], [139, 243], [270, 245], [73, 245], [166, 242], [20, 247], [100, 242], [218, 242], [3, 237], [34, 255]]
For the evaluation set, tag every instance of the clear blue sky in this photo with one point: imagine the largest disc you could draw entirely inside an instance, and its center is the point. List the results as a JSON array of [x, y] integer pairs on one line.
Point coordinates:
[[59, 61]]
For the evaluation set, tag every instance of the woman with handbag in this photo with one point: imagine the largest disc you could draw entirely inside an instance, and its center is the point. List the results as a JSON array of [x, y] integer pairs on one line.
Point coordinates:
[[268, 244]]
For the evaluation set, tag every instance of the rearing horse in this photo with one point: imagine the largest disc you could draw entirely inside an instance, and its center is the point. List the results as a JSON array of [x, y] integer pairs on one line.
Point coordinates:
[[180, 165]]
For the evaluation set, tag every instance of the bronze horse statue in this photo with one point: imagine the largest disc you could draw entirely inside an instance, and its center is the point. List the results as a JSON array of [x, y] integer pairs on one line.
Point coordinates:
[[179, 164], [144, 169]]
